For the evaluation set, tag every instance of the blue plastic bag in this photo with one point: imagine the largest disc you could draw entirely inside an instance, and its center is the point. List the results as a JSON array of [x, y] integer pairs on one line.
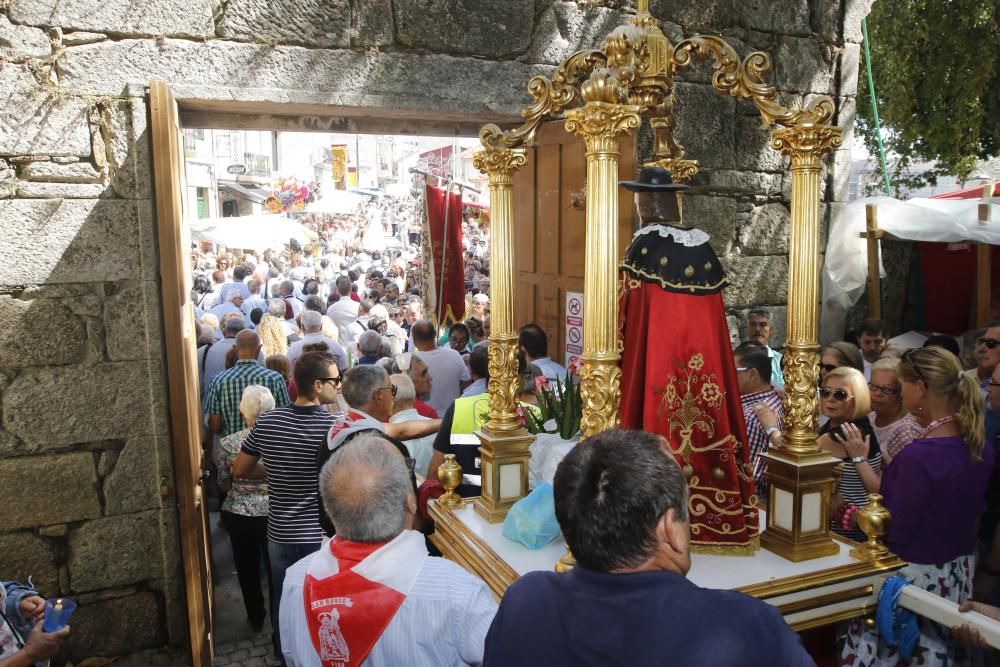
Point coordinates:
[[532, 519]]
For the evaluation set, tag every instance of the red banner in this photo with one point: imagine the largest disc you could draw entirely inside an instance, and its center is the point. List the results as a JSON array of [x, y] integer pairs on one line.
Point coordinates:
[[446, 249]]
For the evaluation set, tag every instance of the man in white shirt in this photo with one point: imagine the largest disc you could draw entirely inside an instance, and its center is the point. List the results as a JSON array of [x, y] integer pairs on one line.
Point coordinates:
[[446, 367], [344, 311], [439, 613], [421, 448], [759, 329], [255, 300], [312, 328], [535, 344]]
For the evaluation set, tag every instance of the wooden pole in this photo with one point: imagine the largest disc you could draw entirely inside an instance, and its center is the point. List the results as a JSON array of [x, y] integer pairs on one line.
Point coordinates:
[[983, 265], [874, 279]]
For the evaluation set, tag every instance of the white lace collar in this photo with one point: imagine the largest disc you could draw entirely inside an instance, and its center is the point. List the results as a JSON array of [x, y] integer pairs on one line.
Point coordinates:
[[689, 238]]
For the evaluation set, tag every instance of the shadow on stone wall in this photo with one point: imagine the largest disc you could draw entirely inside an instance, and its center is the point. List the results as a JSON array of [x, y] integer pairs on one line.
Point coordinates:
[[84, 438]]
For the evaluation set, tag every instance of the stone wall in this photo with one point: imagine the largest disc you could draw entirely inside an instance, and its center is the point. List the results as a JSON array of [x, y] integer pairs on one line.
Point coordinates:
[[84, 440]]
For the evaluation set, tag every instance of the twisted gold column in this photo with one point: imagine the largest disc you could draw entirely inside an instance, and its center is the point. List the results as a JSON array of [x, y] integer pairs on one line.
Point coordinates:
[[801, 476], [504, 442], [504, 385], [806, 145], [599, 124]]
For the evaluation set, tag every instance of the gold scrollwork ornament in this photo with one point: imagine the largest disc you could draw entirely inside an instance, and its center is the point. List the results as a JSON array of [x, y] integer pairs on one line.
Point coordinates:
[[600, 394]]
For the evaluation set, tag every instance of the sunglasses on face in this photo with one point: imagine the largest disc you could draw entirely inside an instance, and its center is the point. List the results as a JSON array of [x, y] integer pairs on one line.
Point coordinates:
[[884, 391], [835, 394], [990, 343], [337, 380], [828, 367]]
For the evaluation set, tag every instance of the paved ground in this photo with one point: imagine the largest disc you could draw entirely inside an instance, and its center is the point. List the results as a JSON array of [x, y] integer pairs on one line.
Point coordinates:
[[249, 652]]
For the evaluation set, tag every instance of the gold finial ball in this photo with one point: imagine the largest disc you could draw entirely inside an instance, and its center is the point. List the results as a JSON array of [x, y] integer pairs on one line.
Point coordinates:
[[718, 473], [688, 271], [688, 470], [663, 261]]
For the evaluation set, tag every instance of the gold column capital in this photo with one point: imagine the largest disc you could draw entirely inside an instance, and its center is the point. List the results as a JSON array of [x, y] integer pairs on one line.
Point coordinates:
[[499, 164], [807, 144], [600, 123]]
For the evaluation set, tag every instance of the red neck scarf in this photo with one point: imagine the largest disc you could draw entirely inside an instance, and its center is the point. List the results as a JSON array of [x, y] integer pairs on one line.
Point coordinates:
[[352, 591]]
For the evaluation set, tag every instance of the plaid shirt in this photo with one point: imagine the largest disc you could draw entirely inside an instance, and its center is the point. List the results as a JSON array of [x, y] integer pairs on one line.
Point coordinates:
[[226, 391], [755, 431]]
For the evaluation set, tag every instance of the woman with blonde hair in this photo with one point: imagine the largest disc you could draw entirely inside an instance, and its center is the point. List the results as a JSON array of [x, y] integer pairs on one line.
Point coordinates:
[[935, 490], [893, 425], [272, 333], [848, 435]]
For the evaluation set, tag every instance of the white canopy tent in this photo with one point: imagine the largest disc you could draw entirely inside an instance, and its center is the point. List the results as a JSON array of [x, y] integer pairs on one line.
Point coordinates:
[[255, 232], [337, 201], [845, 270]]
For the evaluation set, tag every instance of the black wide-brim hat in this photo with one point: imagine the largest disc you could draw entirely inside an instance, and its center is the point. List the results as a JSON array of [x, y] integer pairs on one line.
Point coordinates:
[[653, 179]]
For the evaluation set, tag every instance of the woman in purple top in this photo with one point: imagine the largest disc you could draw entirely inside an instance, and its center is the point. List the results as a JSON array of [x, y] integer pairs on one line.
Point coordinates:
[[935, 490]]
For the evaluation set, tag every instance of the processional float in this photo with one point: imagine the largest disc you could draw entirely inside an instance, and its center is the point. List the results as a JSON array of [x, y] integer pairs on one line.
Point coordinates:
[[603, 94]]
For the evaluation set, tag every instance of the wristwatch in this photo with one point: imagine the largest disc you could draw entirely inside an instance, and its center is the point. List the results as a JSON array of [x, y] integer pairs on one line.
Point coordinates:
[[858, 459], [773, 428]]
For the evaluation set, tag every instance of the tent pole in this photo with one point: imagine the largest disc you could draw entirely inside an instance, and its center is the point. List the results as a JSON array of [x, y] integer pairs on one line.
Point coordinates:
[[874, 279]]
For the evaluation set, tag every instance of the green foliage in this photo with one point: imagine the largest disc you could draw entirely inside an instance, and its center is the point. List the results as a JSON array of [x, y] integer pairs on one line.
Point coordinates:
[[560, 403], [936, 65]]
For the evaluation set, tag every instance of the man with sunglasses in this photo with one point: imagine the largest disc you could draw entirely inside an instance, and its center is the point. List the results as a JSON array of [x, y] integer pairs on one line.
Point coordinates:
[[369, 393], [987, 356], [282, 447]]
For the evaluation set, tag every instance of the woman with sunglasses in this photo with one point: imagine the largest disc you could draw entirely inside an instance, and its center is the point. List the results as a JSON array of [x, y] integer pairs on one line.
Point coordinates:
[[848, 435], [935, 490], [894, 426]]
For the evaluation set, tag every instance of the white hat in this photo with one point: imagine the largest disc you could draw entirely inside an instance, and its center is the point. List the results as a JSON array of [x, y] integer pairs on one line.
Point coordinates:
[[379, 310]]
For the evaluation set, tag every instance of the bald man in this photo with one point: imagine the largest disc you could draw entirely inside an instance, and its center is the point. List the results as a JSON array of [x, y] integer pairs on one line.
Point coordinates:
[[223, 400]]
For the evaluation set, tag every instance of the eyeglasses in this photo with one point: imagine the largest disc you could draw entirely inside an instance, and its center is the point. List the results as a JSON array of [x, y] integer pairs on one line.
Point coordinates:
[[828, 367], [337, 380], [883, 391], [835, 394], [392, 388], [990, 343]]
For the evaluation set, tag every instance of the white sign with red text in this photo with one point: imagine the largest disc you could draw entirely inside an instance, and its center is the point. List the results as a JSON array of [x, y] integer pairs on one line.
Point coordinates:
[[574, 327]]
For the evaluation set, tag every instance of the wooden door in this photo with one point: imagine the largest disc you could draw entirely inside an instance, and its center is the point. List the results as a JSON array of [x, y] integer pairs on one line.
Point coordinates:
[[180, 339], [550, 227]]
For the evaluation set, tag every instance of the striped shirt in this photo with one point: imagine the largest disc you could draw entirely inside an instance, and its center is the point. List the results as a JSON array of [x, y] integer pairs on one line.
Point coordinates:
[[756, 437], [287, 440], [226, 391], [442, 622], [851, 489]]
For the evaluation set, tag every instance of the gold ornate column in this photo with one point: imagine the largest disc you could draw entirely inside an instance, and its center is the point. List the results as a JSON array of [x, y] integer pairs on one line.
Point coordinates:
[[801, 475], [599, 123], [504, 442]]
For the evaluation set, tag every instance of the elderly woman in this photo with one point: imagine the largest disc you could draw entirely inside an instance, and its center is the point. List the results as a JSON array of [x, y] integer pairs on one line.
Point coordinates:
[[244, 511], [935, 490], [848, 435], [894, 426]]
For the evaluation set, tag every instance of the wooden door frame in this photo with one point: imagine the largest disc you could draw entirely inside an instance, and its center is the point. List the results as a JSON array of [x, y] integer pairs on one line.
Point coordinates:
[[166, 111], [178, 315]]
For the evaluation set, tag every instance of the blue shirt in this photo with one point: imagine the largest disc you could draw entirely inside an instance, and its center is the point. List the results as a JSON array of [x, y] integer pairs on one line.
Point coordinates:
[[645, 618], [226, 392]]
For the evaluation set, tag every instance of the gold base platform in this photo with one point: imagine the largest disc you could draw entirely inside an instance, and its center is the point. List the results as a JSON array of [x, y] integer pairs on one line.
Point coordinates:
[[808, 594]]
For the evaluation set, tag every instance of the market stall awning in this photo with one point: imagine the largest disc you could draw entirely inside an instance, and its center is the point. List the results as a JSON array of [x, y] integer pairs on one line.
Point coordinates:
[[253, 232], [939, 220], [337, 201], [251, 194]]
